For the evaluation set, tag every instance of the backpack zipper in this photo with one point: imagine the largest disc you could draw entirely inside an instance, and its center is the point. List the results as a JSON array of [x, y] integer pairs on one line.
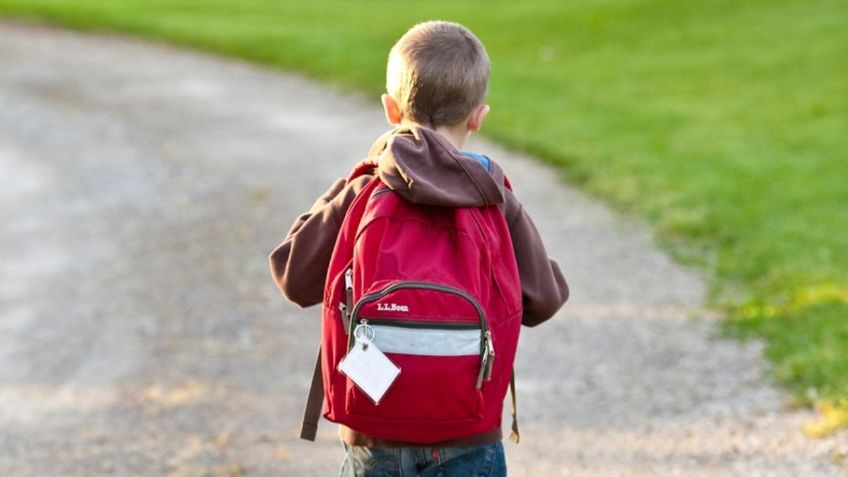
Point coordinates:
[[426, 325], [484, 326], [346, 306]]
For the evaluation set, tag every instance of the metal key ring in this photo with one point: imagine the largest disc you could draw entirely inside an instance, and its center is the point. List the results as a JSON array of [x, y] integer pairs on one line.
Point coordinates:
[[363, 333]]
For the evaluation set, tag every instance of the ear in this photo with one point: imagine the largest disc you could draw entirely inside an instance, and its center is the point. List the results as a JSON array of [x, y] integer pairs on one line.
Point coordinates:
[[477, 117], [392, 110]]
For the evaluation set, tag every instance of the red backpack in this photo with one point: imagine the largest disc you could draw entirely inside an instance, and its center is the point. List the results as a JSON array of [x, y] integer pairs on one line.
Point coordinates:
[[439, 289]]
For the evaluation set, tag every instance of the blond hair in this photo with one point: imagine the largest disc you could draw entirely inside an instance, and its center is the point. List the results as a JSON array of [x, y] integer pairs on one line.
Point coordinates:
[[438, 73]]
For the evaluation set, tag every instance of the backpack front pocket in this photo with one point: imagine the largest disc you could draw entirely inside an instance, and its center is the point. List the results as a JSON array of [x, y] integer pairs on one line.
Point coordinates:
[[428, 389], [439, 338]]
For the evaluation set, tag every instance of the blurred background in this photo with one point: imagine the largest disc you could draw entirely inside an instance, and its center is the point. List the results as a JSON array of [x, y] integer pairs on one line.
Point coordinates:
[[721, 124]]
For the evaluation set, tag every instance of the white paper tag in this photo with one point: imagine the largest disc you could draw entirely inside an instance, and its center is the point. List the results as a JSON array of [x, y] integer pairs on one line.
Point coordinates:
[[369, 369]]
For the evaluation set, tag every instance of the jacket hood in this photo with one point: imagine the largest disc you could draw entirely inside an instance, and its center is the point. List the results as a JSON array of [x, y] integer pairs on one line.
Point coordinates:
[[425, 168]]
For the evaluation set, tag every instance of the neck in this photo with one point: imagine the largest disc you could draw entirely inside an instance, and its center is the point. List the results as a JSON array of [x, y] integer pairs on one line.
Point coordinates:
[[456, 135]]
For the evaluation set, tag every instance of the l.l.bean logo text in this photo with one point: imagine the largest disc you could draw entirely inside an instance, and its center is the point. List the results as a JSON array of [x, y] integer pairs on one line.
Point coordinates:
[[392, 307]]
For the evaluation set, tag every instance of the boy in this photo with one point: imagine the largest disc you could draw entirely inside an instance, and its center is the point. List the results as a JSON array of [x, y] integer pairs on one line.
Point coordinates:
[[437, 79]]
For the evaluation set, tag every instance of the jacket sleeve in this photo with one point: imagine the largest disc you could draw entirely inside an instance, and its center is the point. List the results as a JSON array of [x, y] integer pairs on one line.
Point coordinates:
[[543, 287], [299, 264]]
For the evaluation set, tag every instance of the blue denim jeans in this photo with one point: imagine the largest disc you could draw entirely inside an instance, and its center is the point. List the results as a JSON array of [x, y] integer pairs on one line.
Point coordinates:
[[486, 460]]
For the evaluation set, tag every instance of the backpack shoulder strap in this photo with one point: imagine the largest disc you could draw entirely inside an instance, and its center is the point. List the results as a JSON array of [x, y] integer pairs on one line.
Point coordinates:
[[514, 436], [314, 403]]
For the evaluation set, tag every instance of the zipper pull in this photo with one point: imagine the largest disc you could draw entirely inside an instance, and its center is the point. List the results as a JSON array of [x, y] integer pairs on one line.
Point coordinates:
[[345, 321], [486, 360], [347, 306], [490, 348], [483, 364]]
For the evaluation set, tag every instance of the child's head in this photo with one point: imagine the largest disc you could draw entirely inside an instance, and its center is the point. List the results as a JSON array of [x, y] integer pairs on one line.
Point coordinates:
[[437, 76]]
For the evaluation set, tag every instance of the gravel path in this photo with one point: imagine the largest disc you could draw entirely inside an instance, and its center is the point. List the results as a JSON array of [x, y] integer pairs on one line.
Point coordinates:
[[141, 188]]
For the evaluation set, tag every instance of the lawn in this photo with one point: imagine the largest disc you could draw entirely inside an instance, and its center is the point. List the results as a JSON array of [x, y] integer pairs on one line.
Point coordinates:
[[722, 123]]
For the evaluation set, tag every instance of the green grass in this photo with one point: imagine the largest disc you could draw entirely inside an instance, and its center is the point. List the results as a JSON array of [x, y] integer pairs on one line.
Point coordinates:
[[724, 123]]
